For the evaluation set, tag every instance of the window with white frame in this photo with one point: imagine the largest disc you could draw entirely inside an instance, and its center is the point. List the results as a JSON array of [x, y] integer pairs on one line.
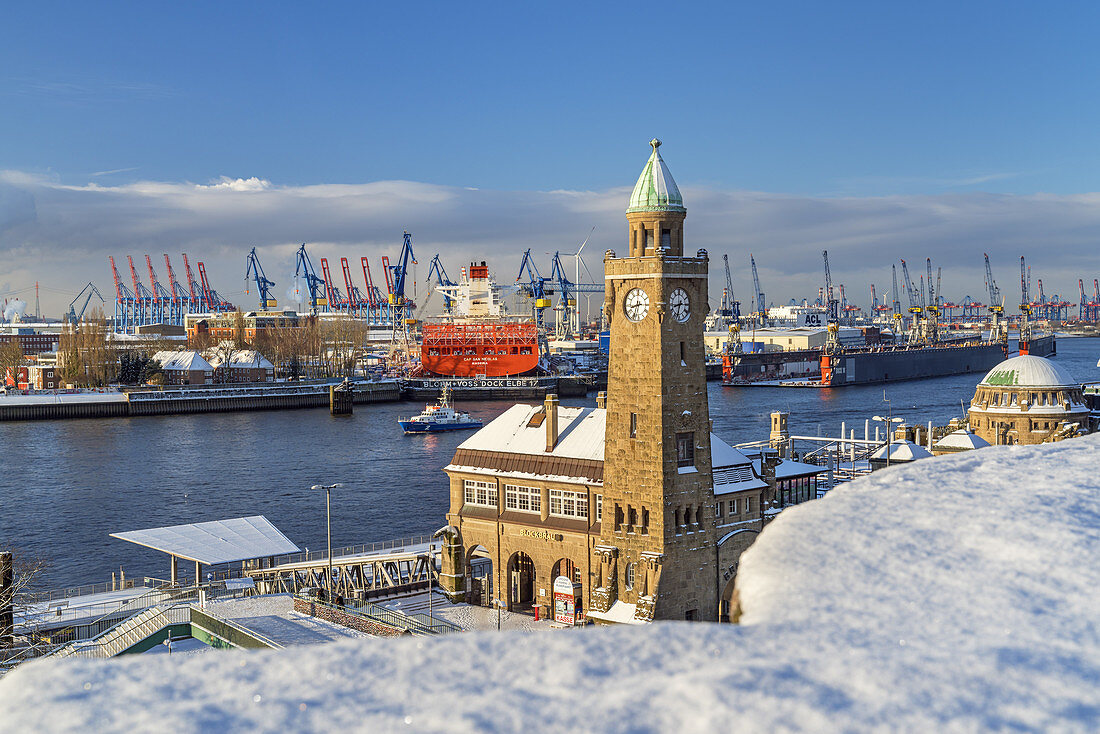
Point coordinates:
[[564, 503], [480, 493], [524, 499], [599, 508]]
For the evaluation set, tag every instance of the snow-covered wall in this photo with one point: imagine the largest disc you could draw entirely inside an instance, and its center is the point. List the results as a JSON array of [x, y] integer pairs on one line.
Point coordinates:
[[957, 593]]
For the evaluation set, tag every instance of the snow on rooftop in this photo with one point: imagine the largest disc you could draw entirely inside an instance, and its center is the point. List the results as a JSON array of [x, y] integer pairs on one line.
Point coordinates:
[[1028, 370], [580, 433], [903, 450], [962, 439], [182, 360], [955, 595]]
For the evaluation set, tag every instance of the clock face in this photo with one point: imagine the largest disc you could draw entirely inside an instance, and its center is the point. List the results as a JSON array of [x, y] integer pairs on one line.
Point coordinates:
[[678, 304], [636, 304]]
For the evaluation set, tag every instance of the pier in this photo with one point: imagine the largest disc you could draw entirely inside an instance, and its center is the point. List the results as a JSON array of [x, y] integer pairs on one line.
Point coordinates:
[[184, 400]]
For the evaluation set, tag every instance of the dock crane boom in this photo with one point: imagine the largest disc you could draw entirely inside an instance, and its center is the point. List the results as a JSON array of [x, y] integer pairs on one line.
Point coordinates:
[[315, 285], [832, 320], [356, 301], [193, 286], [535, 287], [254, 270], [761, 311], [731, 307], [74, 317], [397, 295], [994, 291], [895, 303], [374, 296]]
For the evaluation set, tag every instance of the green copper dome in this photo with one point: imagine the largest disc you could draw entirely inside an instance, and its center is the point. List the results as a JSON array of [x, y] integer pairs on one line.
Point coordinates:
[[655, 190]]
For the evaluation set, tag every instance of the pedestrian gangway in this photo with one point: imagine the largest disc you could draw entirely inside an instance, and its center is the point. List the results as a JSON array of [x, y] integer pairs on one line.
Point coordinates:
[[355, 576]]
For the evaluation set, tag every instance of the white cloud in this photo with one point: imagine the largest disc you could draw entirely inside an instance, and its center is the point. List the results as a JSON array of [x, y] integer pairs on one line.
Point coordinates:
[[61, 235]]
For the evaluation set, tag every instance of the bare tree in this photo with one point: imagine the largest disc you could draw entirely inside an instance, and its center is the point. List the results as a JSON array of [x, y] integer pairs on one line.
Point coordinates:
[[21, 580]]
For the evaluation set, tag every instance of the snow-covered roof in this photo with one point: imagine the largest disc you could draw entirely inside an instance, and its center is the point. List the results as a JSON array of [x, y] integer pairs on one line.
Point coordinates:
[[722, 454], [962, 439], [1028, 371], [580, 433], [790, 468], [218, 541], [188, 360], [903, 450], [862, 611], [656, 189]]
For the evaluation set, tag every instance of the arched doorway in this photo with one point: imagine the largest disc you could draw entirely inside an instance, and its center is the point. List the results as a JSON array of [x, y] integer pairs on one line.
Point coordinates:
[[566, 567], [726, 602], [479, 572], [521, 582]]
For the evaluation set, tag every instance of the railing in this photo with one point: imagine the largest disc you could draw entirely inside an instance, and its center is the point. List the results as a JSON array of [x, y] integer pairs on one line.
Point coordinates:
[[117, 615], [230, 631], [122, 637], [86, 590], [353, 550], [417, 624]]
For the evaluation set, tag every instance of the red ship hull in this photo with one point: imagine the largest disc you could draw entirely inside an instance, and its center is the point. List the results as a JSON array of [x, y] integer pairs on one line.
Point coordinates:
[[469, 350]]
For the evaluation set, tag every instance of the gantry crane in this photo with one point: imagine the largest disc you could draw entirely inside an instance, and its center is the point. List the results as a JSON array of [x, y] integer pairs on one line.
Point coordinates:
[[436, 270]]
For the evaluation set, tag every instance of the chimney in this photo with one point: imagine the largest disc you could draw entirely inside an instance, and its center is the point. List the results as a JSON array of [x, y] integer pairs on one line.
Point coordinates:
[[601, 399], [551, 421]]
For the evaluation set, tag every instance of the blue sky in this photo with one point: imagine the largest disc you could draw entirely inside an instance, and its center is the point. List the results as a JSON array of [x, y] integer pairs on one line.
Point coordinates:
[[819, 101]]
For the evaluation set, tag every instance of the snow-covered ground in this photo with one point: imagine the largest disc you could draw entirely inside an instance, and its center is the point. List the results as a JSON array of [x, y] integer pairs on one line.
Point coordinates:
[[952, 594], [273, 616]]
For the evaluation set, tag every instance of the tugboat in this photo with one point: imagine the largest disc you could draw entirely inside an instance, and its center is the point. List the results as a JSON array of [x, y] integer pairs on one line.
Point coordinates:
[[439, 417]]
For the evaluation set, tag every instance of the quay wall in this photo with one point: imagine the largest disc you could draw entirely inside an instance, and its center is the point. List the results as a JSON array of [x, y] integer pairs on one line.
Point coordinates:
[[184, 401]]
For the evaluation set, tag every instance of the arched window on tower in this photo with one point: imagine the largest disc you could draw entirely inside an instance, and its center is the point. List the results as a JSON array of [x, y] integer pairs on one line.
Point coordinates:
[[666, 238]]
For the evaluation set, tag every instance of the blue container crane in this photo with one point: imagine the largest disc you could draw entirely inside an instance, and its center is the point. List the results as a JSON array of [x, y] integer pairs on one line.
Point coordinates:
[[534, 287]]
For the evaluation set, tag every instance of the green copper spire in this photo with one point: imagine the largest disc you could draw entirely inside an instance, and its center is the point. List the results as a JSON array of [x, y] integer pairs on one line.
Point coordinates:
[[655, 190]]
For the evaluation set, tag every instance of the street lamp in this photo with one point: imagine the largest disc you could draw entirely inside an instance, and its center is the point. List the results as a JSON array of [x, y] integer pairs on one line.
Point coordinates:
[[498, 604], [889, 438], [328, 518]]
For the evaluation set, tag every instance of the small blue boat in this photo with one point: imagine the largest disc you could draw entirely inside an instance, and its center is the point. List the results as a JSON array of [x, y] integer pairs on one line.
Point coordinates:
[[439, 417]]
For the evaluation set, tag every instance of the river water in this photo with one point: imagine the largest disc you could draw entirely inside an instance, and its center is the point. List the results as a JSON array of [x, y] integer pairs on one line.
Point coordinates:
[[65, 485]]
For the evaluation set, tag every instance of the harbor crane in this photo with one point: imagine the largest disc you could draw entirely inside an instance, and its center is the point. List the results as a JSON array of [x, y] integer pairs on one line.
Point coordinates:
[[336, 300], [314, 285], [436, 269], [356, 302], [534, 287], [193, 286], [914, 307], [374, 295], [832, 321], [931, 307], [125, 301], [162, 297], [760, 313], [998, 331], [895, 303], [74, 317], [179, 293], [730, 309], [254, 270], [400, 307]]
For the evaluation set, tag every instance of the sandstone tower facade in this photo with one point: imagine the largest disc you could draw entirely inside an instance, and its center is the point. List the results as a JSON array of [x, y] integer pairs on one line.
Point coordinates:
[[658, 545]]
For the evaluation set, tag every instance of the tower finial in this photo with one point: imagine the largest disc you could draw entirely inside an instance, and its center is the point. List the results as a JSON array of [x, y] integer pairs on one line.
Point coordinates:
[[655, 143]]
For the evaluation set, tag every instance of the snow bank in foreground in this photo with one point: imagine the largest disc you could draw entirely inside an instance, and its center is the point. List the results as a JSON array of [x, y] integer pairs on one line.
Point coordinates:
[[957, 593]]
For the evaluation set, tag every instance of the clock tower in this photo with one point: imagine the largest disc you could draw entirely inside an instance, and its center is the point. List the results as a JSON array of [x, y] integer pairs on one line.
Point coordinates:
[[657, 552]]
